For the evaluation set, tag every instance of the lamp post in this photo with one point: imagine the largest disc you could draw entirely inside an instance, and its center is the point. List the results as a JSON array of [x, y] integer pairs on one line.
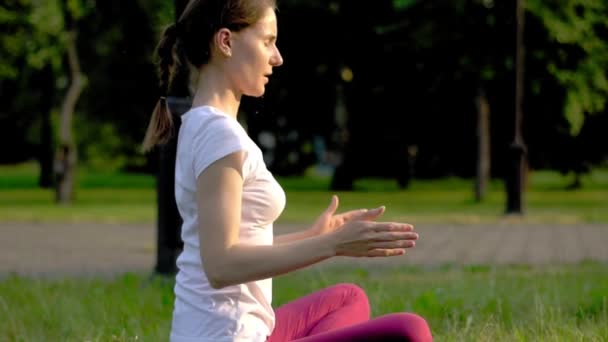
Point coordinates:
[[517, 151], [169, 243]]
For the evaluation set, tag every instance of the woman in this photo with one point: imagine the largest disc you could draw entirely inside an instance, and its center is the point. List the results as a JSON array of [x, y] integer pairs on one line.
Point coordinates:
[[228, 200]]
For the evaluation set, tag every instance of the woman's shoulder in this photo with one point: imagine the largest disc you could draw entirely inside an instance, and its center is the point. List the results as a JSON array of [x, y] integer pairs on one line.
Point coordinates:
[[211, 135], [205, 120], [203, 114]]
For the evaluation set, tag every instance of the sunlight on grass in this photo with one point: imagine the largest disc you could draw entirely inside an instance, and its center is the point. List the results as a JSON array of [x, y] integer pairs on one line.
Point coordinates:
[[560, 303], [130, 198], [461, 303], [91, 205]]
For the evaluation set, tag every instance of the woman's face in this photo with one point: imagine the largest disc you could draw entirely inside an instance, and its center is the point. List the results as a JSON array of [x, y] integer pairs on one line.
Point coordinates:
[[254, 54]]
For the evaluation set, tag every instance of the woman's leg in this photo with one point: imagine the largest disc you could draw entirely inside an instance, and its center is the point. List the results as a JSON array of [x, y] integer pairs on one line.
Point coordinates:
[[332, 308], [388, 328]]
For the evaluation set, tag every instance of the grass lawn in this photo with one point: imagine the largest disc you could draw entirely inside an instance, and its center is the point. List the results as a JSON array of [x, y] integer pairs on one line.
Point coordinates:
[[472, 303], [117, 198], [475, 303]]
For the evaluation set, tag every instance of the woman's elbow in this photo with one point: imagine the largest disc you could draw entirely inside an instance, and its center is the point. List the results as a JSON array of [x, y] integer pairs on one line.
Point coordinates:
[[217, 283], [217, 275]]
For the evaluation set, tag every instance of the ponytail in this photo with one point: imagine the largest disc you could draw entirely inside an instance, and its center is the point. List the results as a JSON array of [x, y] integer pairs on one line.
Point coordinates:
[[160, 128]]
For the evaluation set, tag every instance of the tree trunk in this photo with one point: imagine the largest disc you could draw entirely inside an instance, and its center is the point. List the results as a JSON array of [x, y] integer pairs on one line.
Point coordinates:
[[65, 160], [343, 177], [483, 146], [45, 150]]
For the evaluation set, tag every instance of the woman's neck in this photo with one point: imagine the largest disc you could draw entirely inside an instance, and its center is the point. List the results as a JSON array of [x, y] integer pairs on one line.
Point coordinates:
[[213, 89]]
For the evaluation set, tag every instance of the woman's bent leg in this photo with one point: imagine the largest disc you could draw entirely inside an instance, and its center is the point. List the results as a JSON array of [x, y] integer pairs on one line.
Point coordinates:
[[332, 308], [392, 327]]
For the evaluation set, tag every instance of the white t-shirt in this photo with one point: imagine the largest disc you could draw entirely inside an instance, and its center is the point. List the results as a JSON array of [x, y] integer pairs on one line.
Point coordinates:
[[234, 313]]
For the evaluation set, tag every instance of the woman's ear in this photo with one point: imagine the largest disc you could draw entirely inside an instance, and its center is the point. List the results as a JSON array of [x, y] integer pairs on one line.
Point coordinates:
[[223, 42]]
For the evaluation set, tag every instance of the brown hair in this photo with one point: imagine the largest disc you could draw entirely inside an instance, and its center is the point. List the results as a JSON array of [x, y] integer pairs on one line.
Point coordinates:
[[183, 44]]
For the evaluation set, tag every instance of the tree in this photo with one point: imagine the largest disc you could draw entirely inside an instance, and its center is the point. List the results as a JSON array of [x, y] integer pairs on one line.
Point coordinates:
[[581, 30], [578, 33], [66, 155], [43, 36], [483, 146], [32, 59]]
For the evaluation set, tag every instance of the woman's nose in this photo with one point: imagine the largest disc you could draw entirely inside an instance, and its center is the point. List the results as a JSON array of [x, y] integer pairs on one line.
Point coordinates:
[[276, 59]]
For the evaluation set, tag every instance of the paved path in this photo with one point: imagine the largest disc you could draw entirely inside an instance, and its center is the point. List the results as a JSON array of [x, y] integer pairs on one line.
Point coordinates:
[[93, 249]]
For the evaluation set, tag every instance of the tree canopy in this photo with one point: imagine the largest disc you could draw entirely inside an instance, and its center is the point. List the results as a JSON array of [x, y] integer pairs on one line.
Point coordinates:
[[406, 72]]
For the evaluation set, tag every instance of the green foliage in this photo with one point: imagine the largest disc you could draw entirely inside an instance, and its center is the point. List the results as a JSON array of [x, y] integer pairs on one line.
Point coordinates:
[[403, 4], [37, 29], [20, 41], [46, 44], [432, 50], [101, 145], [581, 28], [80, 8], [36, 40], [161, 13]]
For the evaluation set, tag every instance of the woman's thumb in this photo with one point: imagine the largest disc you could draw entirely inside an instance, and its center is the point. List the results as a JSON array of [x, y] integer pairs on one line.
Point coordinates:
[[333, 205], [373, 213]]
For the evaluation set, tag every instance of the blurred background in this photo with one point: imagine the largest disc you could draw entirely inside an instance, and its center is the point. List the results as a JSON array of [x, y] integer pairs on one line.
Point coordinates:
[[450, 113], [399, 89]]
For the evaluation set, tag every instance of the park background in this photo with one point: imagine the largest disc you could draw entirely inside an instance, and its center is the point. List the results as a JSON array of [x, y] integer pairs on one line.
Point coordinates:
[[410, 104]]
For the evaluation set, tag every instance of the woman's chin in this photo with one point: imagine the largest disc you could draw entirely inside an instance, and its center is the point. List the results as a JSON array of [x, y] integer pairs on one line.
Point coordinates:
[[257, 92]]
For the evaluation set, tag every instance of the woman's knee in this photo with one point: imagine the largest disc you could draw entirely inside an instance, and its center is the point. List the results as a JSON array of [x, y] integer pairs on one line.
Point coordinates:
[[353, 295], [411, 326], [353, 291]]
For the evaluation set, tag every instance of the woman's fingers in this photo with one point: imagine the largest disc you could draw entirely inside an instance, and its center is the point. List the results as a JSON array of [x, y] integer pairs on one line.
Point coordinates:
[[385, 252], [399, 244], [362, 214], [380, 227], [376, 239], [394, 236], [371, 214], [353, 215]]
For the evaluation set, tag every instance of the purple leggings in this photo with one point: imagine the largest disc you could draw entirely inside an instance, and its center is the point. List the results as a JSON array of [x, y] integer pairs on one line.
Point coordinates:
[[340, 313]]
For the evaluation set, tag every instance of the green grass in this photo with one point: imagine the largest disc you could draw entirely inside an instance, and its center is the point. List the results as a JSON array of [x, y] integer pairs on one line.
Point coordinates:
[[129, 198], [474, 303], [25, 176], [91, 205]]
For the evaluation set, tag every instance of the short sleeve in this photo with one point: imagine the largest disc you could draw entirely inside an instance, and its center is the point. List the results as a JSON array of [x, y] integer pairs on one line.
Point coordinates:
[[215, 139]]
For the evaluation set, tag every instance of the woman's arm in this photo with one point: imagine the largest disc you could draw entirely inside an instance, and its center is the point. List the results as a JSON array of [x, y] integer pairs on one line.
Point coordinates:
[[328, 221], [227, 261], [295, 236]]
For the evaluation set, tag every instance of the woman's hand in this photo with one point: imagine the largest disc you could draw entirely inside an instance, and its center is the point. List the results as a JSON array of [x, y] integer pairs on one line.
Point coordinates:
[[329, 222], [373, 239]]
